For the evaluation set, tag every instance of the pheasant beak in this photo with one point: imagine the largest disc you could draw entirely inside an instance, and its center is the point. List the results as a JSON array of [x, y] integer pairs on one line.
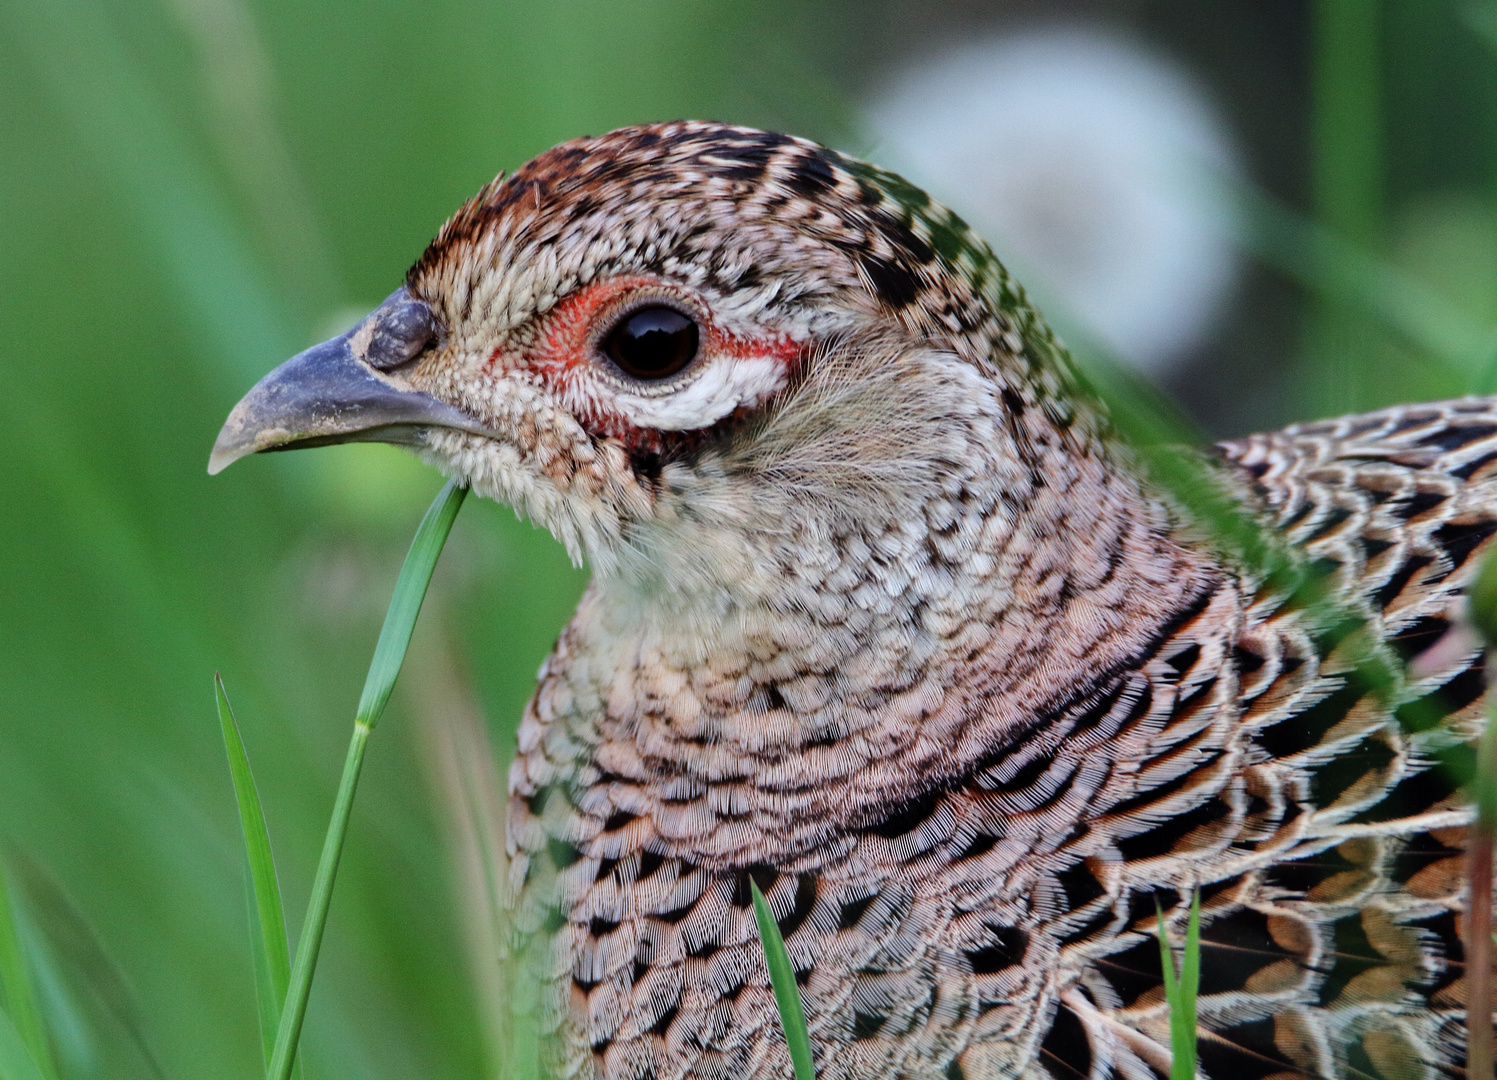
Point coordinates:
[[331, 394]]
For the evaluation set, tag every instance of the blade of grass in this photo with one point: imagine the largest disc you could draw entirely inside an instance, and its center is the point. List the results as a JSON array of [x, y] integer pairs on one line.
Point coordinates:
[[15, 1060], [389, 653], [1343, 275], [1156, 430], [1180, 992], [16, 991], [267, 918], [405, 604], [72, 954], [1167, 965], [786, 993]]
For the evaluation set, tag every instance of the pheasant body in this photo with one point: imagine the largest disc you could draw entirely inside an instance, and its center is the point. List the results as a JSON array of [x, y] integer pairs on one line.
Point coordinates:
[[999, 919], [886, 620]]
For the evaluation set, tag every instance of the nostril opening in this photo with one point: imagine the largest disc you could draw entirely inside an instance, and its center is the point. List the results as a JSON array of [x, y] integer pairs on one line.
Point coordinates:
[[401, 331]]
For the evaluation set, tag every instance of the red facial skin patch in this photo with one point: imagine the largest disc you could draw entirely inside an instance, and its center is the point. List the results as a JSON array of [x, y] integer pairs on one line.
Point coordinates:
[[564, 355]]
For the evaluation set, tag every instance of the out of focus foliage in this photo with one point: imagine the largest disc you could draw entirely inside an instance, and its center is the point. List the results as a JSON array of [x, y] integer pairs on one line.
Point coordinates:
[[194, 189]]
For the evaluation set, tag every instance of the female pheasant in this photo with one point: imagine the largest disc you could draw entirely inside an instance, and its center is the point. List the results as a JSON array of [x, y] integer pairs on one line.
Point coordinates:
[[887, 619]]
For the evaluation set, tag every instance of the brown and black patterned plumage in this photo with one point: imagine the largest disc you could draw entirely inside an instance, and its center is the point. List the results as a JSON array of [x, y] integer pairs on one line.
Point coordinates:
[[886, 619]]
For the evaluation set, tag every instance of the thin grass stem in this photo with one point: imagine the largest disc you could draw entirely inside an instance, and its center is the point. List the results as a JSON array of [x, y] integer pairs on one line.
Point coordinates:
[[310, 943], [389, 653]]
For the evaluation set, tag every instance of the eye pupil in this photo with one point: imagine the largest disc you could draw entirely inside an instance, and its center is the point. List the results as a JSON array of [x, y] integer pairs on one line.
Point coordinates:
[[653, 343]]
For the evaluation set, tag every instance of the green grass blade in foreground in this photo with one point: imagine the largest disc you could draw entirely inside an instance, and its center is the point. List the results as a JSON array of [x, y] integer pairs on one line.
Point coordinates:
[[1180, 992], [15, 1060], [1154, 429], [17, 995], [389, 654], [405, 605], [267, 919], [786, 993]]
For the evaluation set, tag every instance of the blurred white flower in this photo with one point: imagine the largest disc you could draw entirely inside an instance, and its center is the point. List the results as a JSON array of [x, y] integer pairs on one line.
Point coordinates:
[[1092, 165]]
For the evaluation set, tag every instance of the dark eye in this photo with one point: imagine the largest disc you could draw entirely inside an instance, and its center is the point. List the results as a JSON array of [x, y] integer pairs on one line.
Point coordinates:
[[652, 343]]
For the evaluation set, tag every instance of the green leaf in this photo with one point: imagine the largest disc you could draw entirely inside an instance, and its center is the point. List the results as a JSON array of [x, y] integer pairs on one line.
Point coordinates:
[[16, 1062], [405, 605], [17, 994], [267, 920], [1180, 992], [389, 654], [786, 993]]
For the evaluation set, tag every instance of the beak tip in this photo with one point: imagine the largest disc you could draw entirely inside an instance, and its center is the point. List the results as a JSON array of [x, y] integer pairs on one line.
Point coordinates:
[[220, 460], [241, 437], [225, 451]]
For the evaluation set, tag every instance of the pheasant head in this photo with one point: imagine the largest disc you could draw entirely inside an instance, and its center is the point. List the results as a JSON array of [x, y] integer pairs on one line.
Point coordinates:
[[800, 421]]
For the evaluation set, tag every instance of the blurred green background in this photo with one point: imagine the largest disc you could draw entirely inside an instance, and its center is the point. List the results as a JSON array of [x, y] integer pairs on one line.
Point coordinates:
[[192, 190]]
